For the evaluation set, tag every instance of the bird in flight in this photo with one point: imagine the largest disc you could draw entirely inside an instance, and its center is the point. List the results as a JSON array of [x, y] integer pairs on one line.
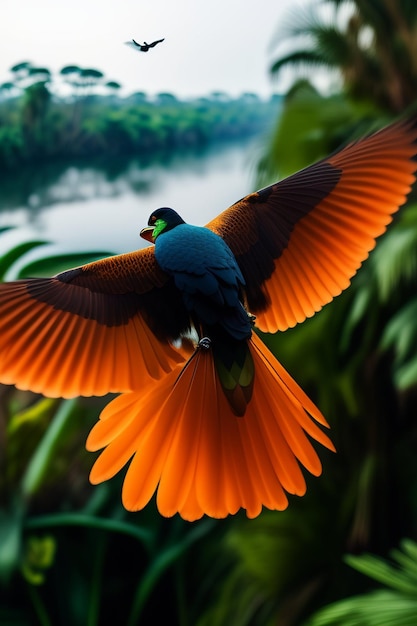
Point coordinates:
[[143, 47], [213, 425]]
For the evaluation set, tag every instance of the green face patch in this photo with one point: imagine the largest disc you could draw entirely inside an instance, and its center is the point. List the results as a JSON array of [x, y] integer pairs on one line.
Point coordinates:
[[160, 226]]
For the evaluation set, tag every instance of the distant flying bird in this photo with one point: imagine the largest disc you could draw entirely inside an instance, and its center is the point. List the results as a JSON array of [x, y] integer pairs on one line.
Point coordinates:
[[143, 47], [219, 426]]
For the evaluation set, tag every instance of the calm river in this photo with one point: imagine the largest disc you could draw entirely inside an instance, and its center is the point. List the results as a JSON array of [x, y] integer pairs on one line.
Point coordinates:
[[85, 209]]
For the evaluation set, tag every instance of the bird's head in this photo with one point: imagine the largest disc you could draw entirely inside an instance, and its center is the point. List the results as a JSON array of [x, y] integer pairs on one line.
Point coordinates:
[[161, 221]]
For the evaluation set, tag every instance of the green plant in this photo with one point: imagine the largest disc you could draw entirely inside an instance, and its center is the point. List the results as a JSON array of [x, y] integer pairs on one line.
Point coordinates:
[[69, 552], [394, 605]]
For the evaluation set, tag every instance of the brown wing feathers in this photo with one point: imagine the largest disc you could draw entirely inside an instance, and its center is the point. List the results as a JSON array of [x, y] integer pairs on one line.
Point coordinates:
[[327, 217], [72, 335], [132, 272], [121, 286], [263, 222], [104, 327]]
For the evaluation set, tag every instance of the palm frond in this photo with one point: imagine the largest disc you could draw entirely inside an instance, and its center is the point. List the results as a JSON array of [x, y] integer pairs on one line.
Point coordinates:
[[400, 336], [395, 258], [394, 606], [298, 58], [398, 575], [374, 609]]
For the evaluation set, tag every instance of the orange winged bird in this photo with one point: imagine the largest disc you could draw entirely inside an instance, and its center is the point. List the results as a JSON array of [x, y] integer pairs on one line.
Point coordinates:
[[221, 426]]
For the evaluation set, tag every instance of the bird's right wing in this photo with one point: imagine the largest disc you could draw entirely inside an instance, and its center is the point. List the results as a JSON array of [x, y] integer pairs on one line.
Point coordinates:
[[102, 327], [299, 241]]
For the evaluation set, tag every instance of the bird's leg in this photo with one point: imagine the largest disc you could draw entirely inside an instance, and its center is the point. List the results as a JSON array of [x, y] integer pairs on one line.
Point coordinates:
[[250, 315], [252, 318], [204, 343]]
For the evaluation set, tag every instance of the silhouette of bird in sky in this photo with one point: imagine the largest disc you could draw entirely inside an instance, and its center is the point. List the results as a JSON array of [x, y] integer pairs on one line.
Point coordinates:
[[143, 47], [217, 425]]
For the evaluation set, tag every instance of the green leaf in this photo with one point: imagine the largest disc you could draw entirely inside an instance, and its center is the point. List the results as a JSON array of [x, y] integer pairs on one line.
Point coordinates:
[[406, 376], [161, 562], [13, 255], [410, 548], [38, 464], [401, 331], [140, 533], [407, 563], [395, 258], [379, 608], [10, 540], [383, 572], [4, 229], [396, 606], [33, 413], [400, 336]]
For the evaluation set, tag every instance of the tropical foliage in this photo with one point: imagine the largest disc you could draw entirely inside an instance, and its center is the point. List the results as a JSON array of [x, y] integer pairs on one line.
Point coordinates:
[[393, 605], [69, 553], [37, 124], [357, 359], [372, 44]]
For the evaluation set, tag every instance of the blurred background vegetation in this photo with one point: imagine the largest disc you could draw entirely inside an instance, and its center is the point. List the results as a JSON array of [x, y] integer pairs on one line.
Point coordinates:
[[346, 553], [88, 118]]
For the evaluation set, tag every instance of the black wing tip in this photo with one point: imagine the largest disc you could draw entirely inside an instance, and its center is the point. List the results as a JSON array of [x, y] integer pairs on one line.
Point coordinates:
[[69, 275]]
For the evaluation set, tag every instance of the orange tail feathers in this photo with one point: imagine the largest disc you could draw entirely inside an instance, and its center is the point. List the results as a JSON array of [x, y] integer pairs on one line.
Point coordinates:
[[184, 440]]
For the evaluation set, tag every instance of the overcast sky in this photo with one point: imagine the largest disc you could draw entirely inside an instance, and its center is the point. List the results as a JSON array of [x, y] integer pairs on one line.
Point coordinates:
[[209, 45]]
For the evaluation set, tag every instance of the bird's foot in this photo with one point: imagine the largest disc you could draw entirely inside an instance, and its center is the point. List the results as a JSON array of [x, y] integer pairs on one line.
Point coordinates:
[[204, 343], [252, 318]]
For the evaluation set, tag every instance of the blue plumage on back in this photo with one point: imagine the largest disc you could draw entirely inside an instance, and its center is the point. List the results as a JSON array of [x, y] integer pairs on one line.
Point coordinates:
[[206, 273], [211, 284]]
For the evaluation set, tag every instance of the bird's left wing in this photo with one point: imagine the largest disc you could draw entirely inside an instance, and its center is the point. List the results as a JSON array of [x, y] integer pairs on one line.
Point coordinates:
[[134, 45], [299, 242], [102, 327]]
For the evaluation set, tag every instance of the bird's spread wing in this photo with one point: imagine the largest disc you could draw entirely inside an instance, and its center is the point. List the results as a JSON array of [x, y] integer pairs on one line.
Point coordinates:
[[134, 44], [91, 330], [300, 241], [145, 46]]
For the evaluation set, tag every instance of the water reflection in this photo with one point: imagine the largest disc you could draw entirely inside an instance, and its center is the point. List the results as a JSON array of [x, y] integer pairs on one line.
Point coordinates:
[[81, 207]]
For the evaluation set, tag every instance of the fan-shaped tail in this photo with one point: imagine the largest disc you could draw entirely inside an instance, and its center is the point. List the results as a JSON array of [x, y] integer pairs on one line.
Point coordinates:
[[183, 439]]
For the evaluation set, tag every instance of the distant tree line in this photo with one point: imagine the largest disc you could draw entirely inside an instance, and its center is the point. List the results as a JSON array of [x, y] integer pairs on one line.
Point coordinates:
[[79, 113]]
